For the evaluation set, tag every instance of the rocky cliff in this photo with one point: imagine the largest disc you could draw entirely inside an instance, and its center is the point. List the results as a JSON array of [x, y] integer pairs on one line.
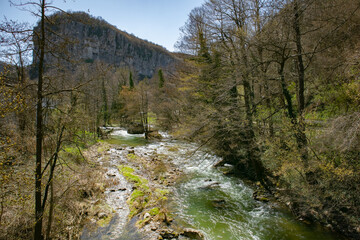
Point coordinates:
[[87, 39]]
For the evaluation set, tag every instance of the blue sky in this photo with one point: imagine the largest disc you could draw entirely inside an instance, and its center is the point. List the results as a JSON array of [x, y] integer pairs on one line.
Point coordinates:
[[155, 20]]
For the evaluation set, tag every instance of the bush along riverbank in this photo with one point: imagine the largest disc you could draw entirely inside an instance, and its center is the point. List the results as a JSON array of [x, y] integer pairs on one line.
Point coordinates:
[[312, 203]]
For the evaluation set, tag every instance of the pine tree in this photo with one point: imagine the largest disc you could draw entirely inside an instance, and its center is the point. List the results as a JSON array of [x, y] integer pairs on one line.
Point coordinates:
[[161, 79], [131, 81]]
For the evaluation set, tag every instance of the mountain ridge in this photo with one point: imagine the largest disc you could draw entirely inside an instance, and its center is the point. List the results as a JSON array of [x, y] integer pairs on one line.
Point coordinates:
[[90, 39]]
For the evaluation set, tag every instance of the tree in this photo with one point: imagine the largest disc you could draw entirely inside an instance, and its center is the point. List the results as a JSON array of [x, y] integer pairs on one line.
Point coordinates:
[[39, 210], [161, 79], [131, 81], [49, 97], [16, 49], [226, 78], [143, 93]]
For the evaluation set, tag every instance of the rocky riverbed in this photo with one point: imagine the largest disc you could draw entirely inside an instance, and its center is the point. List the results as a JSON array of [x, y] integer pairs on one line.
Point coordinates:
[[169, 189], [136, 196]]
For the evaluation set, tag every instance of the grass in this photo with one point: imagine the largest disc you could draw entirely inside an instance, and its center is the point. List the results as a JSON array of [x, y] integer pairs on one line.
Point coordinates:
[[73, 153], [154, 211], [131, 156], [142, 197], [102, 147]]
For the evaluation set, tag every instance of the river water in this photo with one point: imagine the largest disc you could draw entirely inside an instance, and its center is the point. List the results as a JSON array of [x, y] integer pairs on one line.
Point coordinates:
[[221, 207]]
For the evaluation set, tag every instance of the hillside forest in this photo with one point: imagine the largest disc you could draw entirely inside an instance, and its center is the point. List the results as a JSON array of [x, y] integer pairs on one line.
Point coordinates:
[[272, 87]]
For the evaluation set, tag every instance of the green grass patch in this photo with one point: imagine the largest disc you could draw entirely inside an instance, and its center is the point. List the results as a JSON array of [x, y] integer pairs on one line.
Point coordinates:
[[85, 138], [72, 153], [152, 119], [103, 147], [125, 169], [136, 194], [141, 195], [131, 156], [154, 211], [161, 194], [128, 173]]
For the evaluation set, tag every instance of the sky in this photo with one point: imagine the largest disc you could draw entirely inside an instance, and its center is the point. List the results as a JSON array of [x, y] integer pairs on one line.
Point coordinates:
[[157, 21]]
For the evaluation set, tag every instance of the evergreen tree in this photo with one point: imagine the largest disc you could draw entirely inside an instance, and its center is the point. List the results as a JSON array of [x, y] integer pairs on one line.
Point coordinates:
[[161, 79], [131, 81]]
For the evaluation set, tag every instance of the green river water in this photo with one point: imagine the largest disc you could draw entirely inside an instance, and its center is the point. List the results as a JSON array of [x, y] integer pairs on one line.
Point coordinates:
[[226, 210]]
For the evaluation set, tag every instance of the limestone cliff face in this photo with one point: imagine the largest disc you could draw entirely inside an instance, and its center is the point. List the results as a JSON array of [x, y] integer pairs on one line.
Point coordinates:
[[91, 39]]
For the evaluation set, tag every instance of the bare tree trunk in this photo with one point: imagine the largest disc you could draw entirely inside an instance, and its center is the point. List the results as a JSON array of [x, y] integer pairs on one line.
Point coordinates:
[[105, 103], [21, 79], [51, 211], [300, 62], [1, 209], [286, 94], [144, 110], [39, 130], [302, 141], [263, 67], [49, 184]]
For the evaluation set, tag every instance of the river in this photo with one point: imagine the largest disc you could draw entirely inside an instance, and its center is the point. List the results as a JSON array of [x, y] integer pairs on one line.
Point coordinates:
[[220, 206]]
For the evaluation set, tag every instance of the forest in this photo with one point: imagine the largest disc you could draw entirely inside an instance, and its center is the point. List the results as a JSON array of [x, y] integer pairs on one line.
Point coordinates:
[[271, 87]]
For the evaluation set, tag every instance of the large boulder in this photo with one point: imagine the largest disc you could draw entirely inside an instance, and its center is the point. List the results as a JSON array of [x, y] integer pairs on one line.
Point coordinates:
[[135, 129], [104, 132], [154, 135]]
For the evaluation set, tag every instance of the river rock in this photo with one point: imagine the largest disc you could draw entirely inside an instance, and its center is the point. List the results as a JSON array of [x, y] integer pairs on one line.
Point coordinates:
[[260, 196], [101, 215], [210, 185], [154, 135], [153, 227], [226, 169], [103, 132], [218, 203], [135, 129], [193, 234], [168, 233]]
